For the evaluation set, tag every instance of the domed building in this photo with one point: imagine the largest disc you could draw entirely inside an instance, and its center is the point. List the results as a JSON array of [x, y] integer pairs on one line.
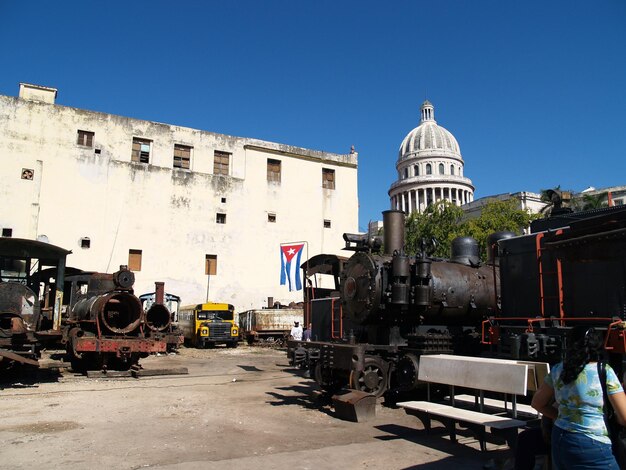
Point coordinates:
[[430, 167]]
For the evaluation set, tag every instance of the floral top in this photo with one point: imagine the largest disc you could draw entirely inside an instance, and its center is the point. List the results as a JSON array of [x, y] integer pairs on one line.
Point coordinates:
[[580, 402]]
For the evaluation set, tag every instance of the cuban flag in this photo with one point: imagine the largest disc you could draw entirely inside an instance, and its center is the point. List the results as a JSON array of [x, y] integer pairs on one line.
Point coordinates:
[[290, 255]]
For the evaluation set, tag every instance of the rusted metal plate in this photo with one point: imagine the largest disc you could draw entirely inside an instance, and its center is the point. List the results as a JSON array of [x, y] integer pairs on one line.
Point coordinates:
[[130, 345], [355, 406]]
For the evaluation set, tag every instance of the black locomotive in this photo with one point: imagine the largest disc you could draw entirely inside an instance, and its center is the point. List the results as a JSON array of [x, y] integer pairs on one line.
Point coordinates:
[[384, 309]]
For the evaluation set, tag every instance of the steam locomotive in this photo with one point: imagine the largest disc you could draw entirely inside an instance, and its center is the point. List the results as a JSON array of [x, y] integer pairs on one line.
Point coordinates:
[[386, 308], [106, 326], [45, 304]]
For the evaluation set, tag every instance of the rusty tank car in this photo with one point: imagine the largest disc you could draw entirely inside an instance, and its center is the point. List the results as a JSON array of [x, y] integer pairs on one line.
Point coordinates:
[[268, 326], [386, 309]]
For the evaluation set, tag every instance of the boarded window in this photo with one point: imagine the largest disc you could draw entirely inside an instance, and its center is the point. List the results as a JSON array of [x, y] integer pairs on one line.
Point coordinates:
[[141, 150], [220, 218], [182, 156], [134, 260], [328, 178], [273, 170], [210, 265], [221, 162], [85, 138]]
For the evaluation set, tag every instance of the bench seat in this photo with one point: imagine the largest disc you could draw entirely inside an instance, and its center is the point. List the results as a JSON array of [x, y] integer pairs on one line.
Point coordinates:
[[521, 408], [473, 420]]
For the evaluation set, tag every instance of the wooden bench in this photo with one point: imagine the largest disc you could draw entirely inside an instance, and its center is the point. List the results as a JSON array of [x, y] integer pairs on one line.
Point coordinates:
[[481, 374], [537, 372]]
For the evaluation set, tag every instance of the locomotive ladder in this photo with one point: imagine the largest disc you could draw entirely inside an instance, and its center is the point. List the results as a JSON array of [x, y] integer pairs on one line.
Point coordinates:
[[543, 274]]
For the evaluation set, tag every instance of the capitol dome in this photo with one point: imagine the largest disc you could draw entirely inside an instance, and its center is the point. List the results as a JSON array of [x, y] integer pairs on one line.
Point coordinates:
[[430, 167], [429, 137]]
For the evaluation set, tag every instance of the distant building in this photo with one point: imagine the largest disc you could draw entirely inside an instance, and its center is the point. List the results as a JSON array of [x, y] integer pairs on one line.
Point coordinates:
[[430, 168], [201, 211], [526, 200]]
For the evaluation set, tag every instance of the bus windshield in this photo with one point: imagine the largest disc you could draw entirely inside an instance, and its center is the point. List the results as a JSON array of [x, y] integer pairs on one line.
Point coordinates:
[[215, 315]]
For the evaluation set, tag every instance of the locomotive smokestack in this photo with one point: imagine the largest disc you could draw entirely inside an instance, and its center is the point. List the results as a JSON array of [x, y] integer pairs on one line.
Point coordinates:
[[159, 292], [393, 231]]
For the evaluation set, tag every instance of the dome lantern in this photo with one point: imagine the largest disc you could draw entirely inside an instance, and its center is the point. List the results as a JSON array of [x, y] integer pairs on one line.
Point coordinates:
[[428, 112]]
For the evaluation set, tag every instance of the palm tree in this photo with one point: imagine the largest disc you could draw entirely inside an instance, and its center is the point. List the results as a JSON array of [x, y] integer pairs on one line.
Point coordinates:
[[595, 201]]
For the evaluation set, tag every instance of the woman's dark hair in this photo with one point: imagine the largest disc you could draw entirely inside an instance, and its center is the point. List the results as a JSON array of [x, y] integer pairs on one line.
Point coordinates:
[[584, 345]]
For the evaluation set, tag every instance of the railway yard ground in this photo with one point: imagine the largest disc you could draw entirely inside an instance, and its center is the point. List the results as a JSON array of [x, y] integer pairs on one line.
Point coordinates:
[[243, 408]]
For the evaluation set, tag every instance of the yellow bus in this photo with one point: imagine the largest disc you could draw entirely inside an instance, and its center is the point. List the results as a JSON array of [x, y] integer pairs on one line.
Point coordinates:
[[205, 325]]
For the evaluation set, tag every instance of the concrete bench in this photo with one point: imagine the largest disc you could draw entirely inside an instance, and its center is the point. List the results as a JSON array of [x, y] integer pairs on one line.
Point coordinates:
[[508, 377]]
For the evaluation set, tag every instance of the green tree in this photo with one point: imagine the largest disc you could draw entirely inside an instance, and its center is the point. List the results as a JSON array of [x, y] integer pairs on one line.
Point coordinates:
[[441, 221], [444, 222], [496, 216], [595, 201]]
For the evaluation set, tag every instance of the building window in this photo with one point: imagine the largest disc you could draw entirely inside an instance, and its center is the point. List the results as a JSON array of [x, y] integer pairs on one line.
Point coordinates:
[[273, 171], [182, 156], [7, 232], [85, 138], [326, 223], [416, 169], [220, 218], [406, 173], [134, 260], [210, 265], [441, 169], [271, 217], [452, 170], [223, 200], [429, 169], [221, 162], [141, 150], [85, 242], [328, 178]]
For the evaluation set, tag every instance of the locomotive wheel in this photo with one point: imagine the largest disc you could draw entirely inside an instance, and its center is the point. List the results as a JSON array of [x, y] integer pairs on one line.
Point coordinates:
[[326, 380], [406, 372], [373, 379]]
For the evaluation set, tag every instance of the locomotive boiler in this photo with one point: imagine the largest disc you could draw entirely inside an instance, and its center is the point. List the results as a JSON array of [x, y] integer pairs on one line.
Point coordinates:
[[384, 309]]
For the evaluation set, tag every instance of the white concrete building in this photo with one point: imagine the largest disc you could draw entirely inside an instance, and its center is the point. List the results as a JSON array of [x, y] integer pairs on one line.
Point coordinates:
[[526, 200], [430, 167], [203, 212]]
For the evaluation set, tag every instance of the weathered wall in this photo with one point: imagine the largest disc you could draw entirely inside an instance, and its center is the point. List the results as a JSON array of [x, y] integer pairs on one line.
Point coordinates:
[[169, 213]]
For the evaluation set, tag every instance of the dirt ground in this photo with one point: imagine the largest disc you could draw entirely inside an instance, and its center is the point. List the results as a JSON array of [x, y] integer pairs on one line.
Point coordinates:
[[241, 408]]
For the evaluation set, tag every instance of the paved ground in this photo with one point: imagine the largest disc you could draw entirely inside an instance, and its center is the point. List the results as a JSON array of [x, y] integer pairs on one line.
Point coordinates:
[[238, 408]]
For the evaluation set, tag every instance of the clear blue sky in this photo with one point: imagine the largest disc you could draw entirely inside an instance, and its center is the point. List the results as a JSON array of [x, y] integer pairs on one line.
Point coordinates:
[[534, 91]]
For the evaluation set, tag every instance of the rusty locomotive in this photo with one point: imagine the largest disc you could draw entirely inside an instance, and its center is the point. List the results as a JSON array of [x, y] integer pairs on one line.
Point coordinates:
[[385, 309], [44, 304], [106, 326]]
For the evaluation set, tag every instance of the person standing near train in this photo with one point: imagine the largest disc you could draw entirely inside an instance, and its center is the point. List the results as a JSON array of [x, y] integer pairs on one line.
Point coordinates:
[[580, 439], [296, 331]]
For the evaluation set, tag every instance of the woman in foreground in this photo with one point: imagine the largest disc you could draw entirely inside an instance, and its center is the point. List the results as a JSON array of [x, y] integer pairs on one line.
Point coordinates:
[[580, 438]]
